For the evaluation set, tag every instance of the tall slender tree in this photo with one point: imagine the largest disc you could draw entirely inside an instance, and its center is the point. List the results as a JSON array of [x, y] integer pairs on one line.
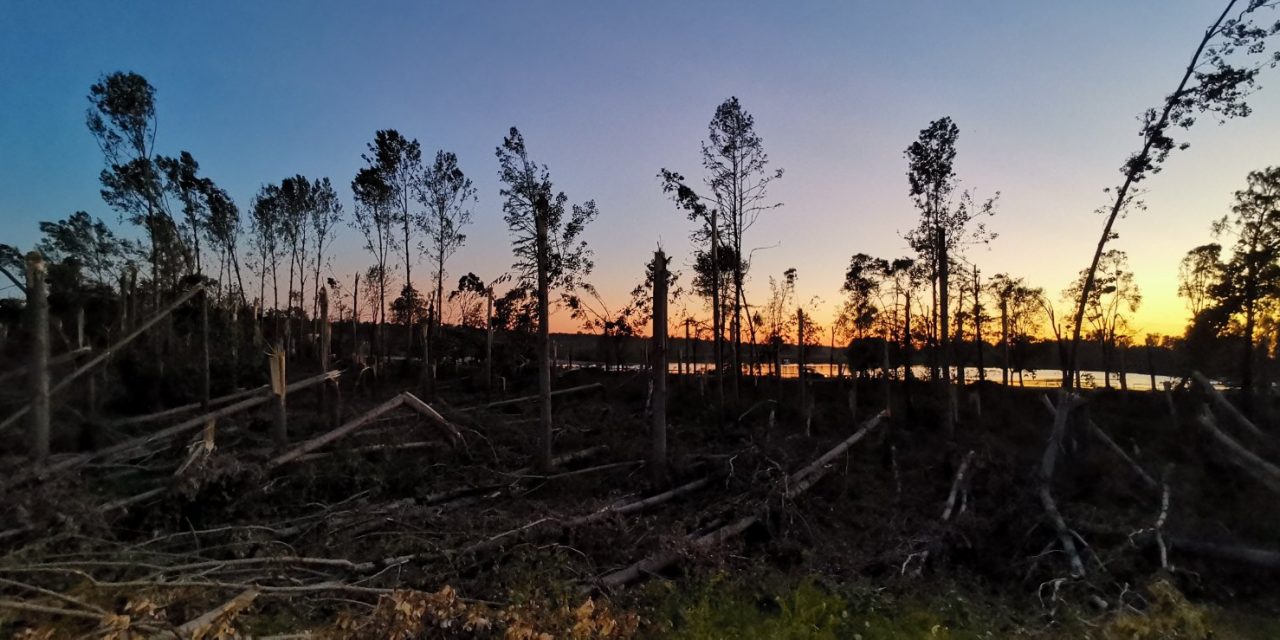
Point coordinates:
[[398, 162], [738, 176], [708, 272], [549, 252], [326, 215], [222, 229], [945, 226], [375, 220], [448, 195]]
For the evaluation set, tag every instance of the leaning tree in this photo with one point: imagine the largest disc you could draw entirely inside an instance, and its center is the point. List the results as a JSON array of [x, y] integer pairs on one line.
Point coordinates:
[[1221, 73]]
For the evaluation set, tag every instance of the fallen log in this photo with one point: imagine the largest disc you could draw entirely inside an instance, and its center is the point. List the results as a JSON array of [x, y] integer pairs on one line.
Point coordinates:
[[1222, 402], [955, 486], [558, 392], [1120, 452], [1044, 479], [125, 448], [403, 446], [536, 530], [174, 411], [663, 559], [1248, 461], [1251, 556], [413, 402], [54, 360], [324, 439], [210, 618], [796, 484], [801, 480]]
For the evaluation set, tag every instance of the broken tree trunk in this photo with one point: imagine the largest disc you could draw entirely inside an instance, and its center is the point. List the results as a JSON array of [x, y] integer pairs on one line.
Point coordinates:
[[121, 343], [204, 350], [104, 355], [405, 399], [119, 451], [488, 344], [1066, 402], [801, 480], [796, 484], [324, 439], [1224, 404], [279, 412], [557, 392], [658, 430], [955, 486], [61, 358], [328, 401], [804, 399], [413, 402], [1120, 452], [175, 411], [1261, 470], [38, 323]]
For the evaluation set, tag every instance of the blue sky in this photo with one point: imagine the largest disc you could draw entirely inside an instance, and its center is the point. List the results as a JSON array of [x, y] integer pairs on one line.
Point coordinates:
[[1046, 96]]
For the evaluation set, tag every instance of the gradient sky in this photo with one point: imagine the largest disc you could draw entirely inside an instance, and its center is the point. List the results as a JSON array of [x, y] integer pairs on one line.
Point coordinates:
[[1046, 96]]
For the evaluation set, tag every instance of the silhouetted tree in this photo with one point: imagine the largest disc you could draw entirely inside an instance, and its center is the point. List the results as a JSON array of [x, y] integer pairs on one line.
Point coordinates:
[[89, 243], [408, 305], [181, 180], [122, 118], [447, 194], [738, 177], [1216, 80], [1114, 296], [266, 222], [707, 280], [1252, 274], [374, 218], [549, 251], [469, 297], [326, 214], [398, 163], [1198, 272], [222, 229], [944, 226]]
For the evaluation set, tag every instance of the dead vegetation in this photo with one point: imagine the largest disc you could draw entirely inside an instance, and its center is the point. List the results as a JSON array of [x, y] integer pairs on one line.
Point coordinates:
[[429, 520]]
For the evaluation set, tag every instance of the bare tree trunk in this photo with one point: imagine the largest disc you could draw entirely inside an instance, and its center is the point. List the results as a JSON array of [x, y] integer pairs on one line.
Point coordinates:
[[804, 395], [204, 349], [328, 399], [717, 315], [831, 352], [1151, 367], [977, 323], [658, 437], [543, 457], [1123, 373], [947, 397], [279, 387], [355, 316], [888, 384], [1004, 337], [488, 344], [38, 323], [907, 375]]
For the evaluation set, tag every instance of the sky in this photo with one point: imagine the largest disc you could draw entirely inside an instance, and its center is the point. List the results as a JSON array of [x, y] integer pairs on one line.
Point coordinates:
[[1046, 96]]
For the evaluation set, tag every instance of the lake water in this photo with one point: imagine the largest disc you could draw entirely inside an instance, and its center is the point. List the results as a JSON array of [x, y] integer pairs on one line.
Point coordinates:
[[1037, 378]]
